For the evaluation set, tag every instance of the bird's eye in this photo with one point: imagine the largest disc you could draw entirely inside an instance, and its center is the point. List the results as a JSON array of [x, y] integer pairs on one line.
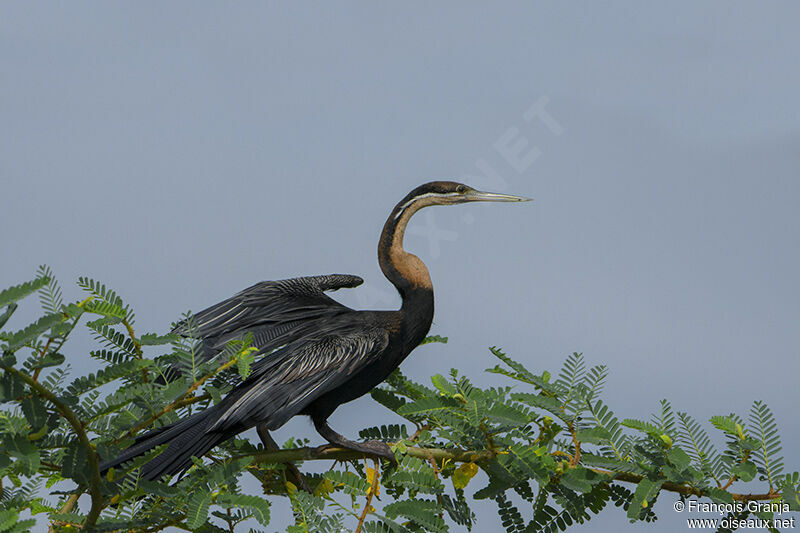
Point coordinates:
[[461, 188]]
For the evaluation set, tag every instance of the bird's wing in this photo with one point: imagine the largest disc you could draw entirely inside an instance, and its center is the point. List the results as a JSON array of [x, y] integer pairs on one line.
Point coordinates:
[[282, 385], [273, 311]]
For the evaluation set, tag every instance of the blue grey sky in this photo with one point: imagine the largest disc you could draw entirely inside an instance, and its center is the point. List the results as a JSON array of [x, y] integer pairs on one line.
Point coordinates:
[[182, 151]]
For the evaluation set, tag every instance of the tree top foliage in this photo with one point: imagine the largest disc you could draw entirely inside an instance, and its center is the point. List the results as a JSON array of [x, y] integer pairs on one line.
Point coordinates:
[[553, 453]]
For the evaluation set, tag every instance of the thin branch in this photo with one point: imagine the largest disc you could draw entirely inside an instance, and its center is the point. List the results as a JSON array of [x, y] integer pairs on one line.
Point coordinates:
[[270, 445], [685, 490], [729, 483], [67, 508], [77, 425], [41, 355], [576, 457], [334, 453], [137, 346], [370, 493], [418, 432], [182, 400], [177, 404], [231, 524], [174, 522]]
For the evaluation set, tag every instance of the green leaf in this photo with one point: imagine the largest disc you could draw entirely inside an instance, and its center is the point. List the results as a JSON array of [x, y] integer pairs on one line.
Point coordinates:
[[257, 506], [50, 294], [245, 358], [75, 464], [791, 496], [464, 474], [518, 371], [595, 435], [101, 292], [8, 518], [433, 338], [197, 511], [32, 332], [679, 458], [718, 495], [604, 417], [88, 382], [423, 481], [11, 387], [767, 455], [151, 339], [726, 424], [158, 488], [426, 406], [10, 523], [215, 393], [51, 359], [105, 308], [693, 438], [442, 385], [17, 292], [548, 403], [28, 456], [392, 432], [7, 314], [571, 375], [581, 479], [383, 527], [387, 398], [351, 483], [35, 411], [745, 471], [665, 420], [423, 512], [749, 443], [594, 381], [644, 427], [529, 462], [646, 492]]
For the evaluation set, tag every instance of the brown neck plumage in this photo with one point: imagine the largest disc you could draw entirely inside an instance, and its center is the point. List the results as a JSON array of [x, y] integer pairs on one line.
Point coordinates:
[[405, 270]]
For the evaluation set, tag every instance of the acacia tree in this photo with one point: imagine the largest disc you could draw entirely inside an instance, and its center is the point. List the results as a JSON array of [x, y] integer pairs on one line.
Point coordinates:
[[553, 452]]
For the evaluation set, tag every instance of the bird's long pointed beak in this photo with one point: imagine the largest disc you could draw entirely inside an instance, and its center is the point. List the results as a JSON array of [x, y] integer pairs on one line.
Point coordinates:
[[481, 196]]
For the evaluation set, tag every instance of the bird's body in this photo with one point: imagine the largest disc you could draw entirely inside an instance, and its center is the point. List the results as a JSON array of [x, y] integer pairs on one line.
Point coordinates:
[[315, 353]]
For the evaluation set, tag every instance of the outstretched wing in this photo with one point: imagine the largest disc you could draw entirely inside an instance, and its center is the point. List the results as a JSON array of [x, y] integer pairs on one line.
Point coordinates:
[[282, 385], [275, 312]]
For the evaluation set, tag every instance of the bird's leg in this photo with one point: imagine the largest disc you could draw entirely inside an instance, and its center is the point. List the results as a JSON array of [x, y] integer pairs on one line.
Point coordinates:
[[372, 447], [293, 473]]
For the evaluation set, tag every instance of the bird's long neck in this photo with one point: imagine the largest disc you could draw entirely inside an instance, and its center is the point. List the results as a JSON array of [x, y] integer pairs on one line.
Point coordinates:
[[407, 272]]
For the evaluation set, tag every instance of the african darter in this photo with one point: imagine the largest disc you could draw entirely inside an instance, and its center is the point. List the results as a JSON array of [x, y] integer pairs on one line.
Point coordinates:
[[316, 353]]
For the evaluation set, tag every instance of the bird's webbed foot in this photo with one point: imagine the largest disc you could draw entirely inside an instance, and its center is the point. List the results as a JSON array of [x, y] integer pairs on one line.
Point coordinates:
[[371, 447]]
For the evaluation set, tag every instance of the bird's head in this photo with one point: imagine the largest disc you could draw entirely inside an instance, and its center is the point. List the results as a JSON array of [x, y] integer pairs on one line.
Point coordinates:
[[450, 193]]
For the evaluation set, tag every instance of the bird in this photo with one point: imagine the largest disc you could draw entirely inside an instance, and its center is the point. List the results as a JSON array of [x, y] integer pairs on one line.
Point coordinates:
[[314, 353]]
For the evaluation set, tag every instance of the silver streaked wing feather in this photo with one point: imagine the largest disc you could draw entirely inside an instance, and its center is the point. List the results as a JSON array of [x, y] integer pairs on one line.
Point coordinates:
[[274, 311], [269, 301], [283, 384]]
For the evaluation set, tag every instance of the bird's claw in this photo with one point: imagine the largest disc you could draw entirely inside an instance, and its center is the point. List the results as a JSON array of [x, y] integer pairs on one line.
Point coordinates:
[[381, 449], [371, 447]]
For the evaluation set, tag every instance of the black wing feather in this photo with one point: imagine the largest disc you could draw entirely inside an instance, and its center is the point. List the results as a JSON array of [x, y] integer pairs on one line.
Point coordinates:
[[279, 388], [283, 384], [315, 345], [275, 312]]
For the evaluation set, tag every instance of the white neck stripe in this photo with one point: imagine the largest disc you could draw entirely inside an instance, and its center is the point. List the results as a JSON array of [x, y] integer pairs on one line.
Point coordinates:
[[420, 197]]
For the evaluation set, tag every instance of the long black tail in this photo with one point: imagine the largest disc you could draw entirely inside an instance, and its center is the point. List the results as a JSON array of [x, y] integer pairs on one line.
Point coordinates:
[[185, 439]]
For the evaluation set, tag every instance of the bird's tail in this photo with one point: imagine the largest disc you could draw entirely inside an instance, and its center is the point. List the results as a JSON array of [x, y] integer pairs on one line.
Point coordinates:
[[185, 439]]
